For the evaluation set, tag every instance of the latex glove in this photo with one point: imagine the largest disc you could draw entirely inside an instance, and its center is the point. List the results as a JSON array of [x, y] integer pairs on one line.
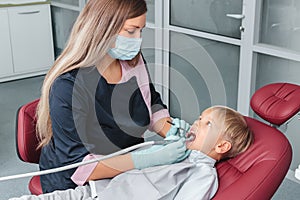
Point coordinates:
[[174, 130], [187, 151], [159, 155]]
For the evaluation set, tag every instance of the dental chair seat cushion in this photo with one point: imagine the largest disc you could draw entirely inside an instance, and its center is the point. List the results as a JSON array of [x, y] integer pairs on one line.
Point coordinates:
[[276, 102], [258, 172]]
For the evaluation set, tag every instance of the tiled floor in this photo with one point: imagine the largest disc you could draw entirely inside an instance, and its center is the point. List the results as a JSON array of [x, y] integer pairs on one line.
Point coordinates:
[[16, 93]]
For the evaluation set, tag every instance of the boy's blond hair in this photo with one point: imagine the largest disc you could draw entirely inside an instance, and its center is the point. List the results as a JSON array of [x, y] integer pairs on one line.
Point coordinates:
[[234, 129]]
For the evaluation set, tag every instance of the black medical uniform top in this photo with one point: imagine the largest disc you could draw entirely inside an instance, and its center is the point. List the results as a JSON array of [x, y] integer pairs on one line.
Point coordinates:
[[90, 115]]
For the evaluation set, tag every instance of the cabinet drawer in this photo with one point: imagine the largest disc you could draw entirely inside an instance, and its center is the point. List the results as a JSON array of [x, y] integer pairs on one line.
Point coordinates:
[[31, 37]]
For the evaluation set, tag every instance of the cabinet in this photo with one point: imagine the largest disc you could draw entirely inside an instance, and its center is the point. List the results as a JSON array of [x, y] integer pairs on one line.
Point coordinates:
[[26, 41]]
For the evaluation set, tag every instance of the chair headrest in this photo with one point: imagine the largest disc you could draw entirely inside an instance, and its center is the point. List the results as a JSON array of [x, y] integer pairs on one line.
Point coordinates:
[[276, 102]]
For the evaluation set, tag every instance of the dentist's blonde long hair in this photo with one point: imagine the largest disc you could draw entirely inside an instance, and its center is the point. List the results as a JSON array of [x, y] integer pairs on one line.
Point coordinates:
[[97, 24]]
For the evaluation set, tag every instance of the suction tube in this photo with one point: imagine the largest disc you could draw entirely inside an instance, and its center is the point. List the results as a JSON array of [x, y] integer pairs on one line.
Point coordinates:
[[71, 166], [58, 169]]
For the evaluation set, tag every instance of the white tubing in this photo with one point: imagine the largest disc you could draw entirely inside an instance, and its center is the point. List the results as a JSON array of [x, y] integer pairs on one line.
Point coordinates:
[[58, 169]]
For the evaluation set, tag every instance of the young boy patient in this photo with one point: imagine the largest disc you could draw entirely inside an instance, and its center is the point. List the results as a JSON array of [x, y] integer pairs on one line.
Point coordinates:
[[219, 133]]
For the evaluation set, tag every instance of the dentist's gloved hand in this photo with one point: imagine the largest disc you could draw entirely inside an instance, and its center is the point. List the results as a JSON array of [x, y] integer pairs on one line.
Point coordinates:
[[174, 130], [159, 155], [187, 151]]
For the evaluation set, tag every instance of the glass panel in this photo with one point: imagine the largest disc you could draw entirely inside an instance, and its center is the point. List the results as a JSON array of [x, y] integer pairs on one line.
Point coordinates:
[[280, 24], [207, 16], [270, 70], [148, 49], [202, 73], [63, 21], [151, 11], [69, 2]]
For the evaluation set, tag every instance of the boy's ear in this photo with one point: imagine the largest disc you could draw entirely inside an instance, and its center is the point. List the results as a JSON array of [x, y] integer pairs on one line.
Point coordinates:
[[223, 147]]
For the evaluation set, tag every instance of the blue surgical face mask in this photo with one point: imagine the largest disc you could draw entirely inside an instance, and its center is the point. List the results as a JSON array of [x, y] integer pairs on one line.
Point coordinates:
[[126, 48]]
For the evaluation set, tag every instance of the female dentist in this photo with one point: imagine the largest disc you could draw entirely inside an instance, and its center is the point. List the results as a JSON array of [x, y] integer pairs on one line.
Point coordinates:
[[98, 98]]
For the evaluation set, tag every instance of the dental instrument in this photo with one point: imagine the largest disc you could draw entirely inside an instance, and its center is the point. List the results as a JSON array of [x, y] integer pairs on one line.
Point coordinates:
[[189, 137], [178, 127]]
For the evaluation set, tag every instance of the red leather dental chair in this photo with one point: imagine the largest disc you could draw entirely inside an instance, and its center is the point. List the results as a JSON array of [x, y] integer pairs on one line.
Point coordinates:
[[253, 175], [257, 173], [27, 142]]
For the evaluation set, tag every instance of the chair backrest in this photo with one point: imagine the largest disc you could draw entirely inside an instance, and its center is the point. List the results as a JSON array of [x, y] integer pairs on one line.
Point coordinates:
[[258, 172], [26, 137]]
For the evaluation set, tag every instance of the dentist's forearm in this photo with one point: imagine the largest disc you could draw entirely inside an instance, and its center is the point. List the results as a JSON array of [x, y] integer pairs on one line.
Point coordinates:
[[162, 126], [112, 167]]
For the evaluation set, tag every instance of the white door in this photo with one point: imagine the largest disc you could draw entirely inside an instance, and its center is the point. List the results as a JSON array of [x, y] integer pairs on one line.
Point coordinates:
[[203, 45]]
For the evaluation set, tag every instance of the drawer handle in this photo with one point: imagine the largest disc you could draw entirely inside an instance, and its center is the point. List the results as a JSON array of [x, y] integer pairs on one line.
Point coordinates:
[[29, 12]]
